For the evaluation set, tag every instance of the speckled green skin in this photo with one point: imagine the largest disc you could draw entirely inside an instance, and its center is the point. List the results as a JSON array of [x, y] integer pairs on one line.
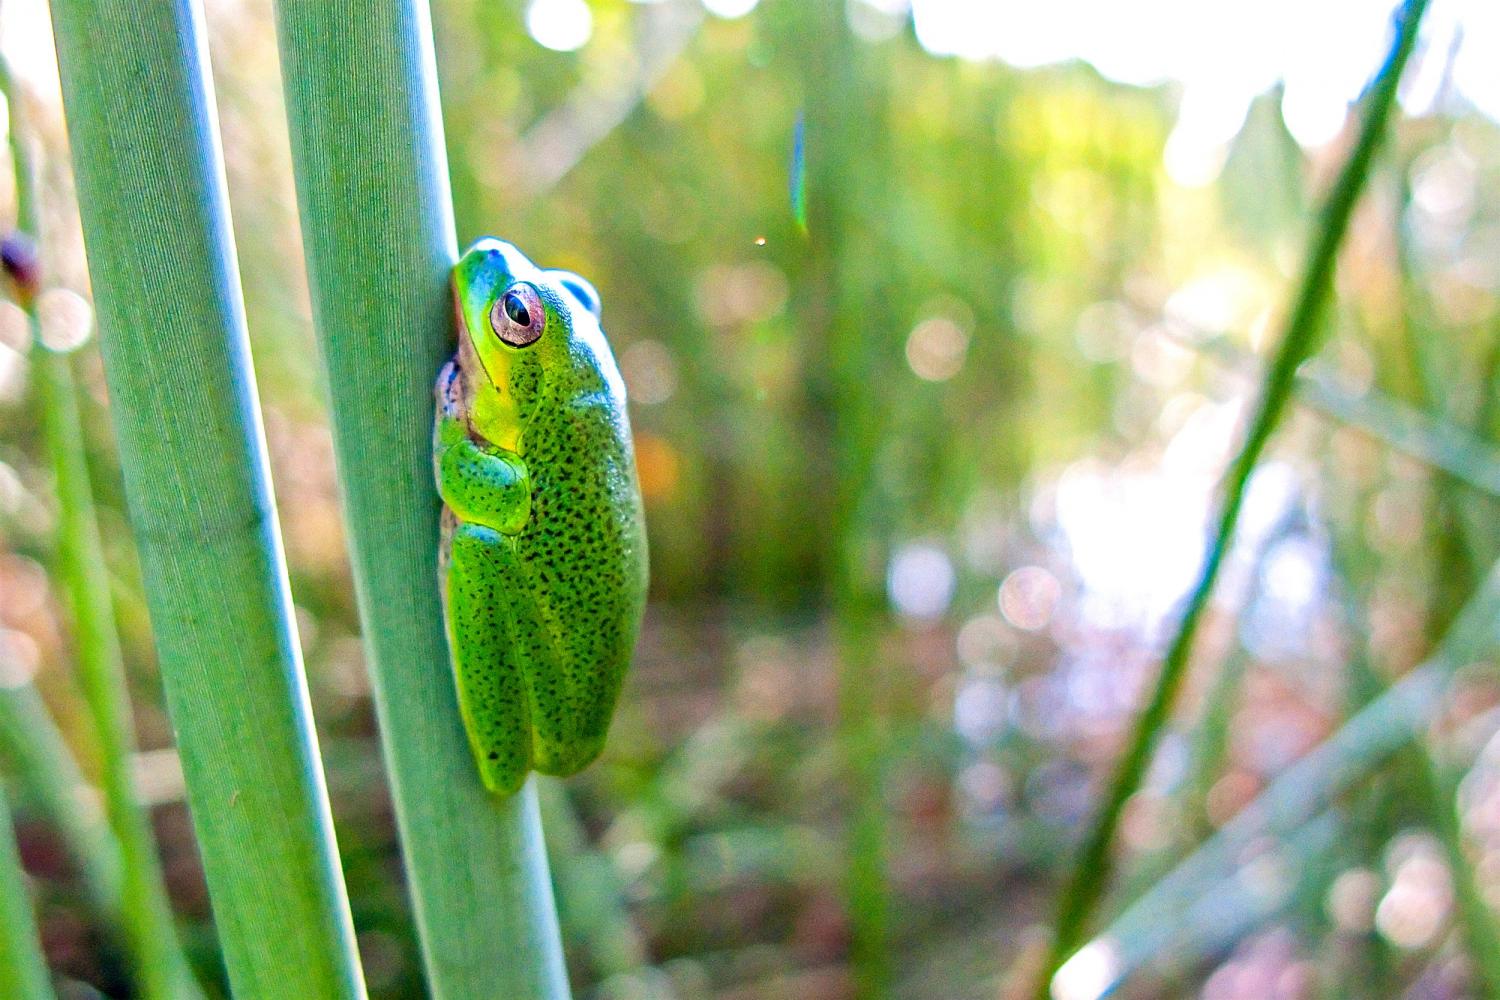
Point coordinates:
[[543, 557]]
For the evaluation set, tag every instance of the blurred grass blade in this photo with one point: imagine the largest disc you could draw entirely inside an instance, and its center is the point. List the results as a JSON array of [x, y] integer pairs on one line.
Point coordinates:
[[556, 144], [1212, 734], [1090, 874], [47, 774], [1210, 921], [23, 972], [1454, 570], [1382, 727], [377, 228], [843, 126], [145, 909], [151, 193], [595, 921], [1438, 443], [1481, 933]]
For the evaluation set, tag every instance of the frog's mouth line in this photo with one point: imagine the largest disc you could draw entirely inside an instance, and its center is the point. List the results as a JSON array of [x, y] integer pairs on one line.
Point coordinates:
[[466, 347], [468, 350]]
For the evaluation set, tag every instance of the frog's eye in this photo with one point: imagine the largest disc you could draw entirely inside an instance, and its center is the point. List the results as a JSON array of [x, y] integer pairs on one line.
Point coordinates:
[[517, 316]]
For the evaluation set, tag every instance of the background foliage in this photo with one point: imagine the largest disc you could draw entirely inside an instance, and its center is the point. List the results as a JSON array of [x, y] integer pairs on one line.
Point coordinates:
[[942, 463]]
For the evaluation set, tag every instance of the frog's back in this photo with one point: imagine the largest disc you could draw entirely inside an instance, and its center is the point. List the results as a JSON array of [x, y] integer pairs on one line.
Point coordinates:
[[585, 548]]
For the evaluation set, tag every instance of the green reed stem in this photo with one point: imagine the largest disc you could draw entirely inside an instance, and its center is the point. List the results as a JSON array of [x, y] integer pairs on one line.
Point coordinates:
[[176, 357], [1477, 924], [1467, 456], [377, 227], [145, 911], [1091, 870]]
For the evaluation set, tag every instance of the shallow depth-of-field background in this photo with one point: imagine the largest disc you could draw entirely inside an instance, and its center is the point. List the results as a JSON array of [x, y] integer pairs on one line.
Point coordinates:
[[924, 492]]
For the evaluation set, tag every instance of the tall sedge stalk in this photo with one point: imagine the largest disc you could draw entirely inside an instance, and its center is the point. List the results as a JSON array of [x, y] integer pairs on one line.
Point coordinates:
[[844, 128], [145, 911], [23, 972], [1091, 870], [377, 227], [151, 193]]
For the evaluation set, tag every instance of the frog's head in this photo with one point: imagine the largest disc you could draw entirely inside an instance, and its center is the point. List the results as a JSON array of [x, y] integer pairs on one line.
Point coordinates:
[[524, 334]]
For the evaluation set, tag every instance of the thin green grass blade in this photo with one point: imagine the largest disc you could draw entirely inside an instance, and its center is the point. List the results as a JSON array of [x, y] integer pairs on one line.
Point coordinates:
[[145, 910], [590, 891], [1248, 892], [1453, 570], [1211, 736], [1090, 874], [176, 357], [1211, 740], [48, 776], [377, 227], [1477, 924], [1370, 736], [23, 971], [1437, 443], [842, 126], [1434, 442]]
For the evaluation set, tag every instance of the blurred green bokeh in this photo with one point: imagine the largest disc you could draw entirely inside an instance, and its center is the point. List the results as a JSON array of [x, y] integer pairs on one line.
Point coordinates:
[[973, 418]]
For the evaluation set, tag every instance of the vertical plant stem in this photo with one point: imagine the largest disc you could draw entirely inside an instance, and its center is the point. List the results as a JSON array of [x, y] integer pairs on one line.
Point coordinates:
[[151, 193], [1421, 776], [1211, 742], [843, 130], [1092, 867], [145, 913], [23, 972], [145, 910], [377, 227]]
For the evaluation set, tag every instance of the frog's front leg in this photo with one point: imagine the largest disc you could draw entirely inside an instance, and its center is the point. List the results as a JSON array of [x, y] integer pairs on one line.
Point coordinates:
[[480, 483]]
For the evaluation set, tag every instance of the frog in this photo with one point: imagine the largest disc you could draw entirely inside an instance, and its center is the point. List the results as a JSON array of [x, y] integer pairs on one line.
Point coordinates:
[[542, 554]]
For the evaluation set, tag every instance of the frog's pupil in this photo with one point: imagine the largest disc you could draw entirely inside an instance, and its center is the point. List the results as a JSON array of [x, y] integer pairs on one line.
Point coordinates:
[[516, 310]]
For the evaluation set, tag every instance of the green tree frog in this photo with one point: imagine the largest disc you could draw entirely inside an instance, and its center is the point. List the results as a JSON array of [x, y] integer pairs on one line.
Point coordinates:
[[543, 552]]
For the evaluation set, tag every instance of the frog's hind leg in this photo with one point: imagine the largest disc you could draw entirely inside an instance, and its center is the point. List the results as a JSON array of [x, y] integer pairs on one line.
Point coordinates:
[[492, 694]]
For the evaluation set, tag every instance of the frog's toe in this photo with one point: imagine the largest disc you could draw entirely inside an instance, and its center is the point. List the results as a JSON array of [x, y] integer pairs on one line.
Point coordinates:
[[502, 772]]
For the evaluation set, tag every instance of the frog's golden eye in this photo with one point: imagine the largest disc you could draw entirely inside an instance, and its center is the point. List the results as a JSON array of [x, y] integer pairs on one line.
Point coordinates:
[[517, 316]]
